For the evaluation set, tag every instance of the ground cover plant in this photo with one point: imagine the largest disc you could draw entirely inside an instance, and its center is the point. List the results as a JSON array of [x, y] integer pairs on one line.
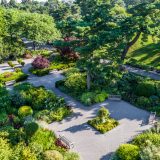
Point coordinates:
[[103, 122], [17, 75], [145, 146]]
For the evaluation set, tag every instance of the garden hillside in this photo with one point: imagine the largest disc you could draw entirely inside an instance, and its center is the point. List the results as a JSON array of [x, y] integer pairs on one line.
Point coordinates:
[[145, 55]]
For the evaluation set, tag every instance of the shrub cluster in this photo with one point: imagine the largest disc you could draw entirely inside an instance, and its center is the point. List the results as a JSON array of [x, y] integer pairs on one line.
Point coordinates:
[[103, 123]]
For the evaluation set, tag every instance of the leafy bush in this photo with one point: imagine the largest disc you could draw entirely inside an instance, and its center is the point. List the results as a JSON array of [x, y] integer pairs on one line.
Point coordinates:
[[101, 97], [40, 63], [103, 113], [52, 155], [71, 156], [142, 139], [5, 99], [3, 118], [5, 150], [17, 76], [25, 111], [150, 152], [145, 89], [143, 101], [76, 82], [103, 122], [11, 64], [88, 98], [44, 138], [128, 152], [31, 128], [71, 71], [39, 72]]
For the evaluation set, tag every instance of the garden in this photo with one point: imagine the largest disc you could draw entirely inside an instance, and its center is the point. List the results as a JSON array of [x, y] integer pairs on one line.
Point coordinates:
[[90, 42], [144, 146], [20, 135]]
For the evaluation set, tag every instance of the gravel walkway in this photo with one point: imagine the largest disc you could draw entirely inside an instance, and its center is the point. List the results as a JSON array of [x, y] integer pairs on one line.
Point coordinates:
[[89, 143]]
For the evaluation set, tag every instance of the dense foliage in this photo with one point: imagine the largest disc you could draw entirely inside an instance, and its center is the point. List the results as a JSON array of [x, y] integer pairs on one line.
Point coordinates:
[[103, 123]]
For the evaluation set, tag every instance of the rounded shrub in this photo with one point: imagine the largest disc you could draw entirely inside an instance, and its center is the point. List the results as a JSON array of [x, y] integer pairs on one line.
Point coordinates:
[[103, 112], [145, 89], [31, 128], [3, 118], [52, 155], [40, 62], [128, 152], [143, 102], [141, 139], [25, 111], [76, 82], [101, 97], [87, 98]]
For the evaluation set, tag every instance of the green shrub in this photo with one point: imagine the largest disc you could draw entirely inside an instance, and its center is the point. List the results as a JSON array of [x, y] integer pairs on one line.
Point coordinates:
[[128, 152], [18, 70], [142, 139], [87, 98], [143, 102], [5, 99], [52, 155], [44, 138], [76, 82], [22, 77], [103, 113], [103, 127], [25, 111], [71, 71], [11, 64], [39, 72], [71, 156], [150, 152], [145, 89], [31, 128], [101, 97], [5, 149], [3, 118]]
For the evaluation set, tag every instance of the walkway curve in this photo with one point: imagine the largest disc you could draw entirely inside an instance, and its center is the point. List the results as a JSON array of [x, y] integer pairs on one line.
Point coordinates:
[[89, 143]]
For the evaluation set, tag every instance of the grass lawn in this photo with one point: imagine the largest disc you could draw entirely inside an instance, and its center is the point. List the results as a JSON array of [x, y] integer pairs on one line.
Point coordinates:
[[146, 55]]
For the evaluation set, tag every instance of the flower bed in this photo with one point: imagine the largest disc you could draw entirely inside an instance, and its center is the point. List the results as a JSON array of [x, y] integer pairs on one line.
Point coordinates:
[[18, 76], [103, 123]]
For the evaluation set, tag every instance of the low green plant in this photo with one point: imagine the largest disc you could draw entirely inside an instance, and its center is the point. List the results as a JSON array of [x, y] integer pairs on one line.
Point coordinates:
[[3, 118], [142, 139], [71, 156], [101, 97], [10, 63], [103, 123], [39, 72], [143, 102], [128, 152], [52, 155], [31, 128], [88, 98], [76, 82], [145, 89], [25, 111]]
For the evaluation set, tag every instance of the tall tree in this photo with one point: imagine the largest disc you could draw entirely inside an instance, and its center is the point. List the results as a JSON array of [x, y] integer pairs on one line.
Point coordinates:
[[143, 21], [38, 28]]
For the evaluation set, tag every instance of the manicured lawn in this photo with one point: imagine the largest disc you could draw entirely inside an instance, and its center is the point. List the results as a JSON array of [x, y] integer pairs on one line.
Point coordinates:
[[145, 56]]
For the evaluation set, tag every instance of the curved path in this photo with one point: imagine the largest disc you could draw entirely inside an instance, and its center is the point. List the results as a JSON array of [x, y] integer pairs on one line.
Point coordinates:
[[90, 144]]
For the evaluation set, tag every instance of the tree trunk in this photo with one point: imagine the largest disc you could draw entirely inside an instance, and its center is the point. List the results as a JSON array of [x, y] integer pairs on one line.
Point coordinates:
[[88, 80], [34, 46], [125, 51]]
